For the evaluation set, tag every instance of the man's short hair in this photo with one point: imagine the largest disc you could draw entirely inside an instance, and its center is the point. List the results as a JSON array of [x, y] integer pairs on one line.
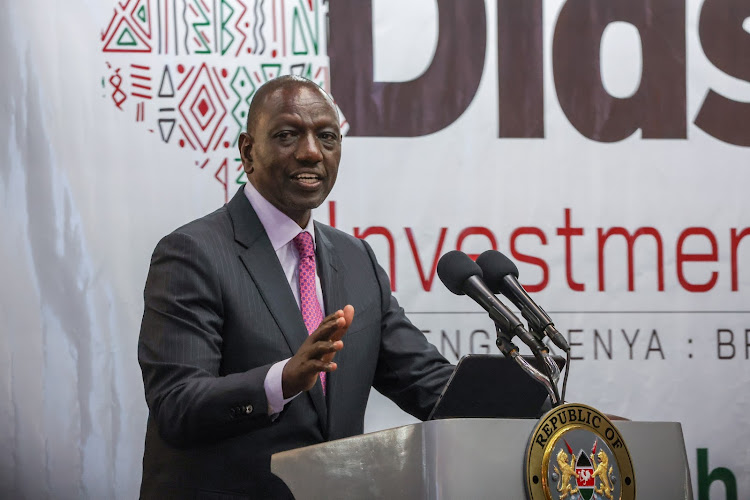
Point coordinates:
[[271, 86]]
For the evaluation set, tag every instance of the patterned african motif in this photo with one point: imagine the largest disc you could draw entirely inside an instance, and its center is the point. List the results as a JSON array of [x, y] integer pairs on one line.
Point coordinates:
[[188, 69]]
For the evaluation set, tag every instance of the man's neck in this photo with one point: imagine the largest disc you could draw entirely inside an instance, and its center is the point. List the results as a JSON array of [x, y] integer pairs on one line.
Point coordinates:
[[279, 226]]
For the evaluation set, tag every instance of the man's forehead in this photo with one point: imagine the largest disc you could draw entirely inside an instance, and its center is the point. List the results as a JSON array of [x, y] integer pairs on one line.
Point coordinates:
[[290, 101], [291, 92]]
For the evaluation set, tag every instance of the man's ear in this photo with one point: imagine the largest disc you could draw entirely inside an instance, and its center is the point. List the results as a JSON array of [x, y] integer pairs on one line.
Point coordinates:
[[245, 145]]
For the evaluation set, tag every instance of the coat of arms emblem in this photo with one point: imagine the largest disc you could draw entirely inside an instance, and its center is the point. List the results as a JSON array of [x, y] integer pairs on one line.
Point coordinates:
[[590, 476], [576, 453]]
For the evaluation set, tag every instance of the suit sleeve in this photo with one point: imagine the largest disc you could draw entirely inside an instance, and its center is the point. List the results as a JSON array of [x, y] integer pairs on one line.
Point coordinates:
[[180, 351], [410, 370]]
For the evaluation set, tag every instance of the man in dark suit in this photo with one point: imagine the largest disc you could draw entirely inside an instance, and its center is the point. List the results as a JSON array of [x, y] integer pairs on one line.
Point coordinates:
[[233, 337]]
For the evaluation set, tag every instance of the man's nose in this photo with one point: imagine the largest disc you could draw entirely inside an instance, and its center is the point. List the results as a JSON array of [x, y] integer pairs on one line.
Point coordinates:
[[308, 149]]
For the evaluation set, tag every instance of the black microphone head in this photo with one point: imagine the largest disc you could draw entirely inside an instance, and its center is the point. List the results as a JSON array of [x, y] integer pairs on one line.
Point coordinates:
[[496, 266], [454, 268]]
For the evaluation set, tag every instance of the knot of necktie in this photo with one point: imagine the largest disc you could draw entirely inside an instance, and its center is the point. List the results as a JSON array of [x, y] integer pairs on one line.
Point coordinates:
[[304, 244]]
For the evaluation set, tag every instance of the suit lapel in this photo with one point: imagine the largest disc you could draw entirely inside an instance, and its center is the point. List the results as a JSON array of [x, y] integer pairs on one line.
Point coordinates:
[[334, 296], [261, 262], [328, 264]]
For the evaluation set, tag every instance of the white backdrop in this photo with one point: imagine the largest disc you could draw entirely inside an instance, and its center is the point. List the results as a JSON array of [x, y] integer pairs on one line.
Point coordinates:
[[90, 181]]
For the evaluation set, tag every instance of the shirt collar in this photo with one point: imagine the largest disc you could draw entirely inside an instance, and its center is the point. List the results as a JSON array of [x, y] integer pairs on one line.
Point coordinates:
[[280, 228]]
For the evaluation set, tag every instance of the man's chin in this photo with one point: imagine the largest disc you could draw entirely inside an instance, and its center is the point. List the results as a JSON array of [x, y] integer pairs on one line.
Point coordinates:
[[309, 200], [300, 210]]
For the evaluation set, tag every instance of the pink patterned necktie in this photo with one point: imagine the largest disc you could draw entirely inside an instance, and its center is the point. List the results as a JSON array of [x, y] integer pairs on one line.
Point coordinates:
[[312, 315]]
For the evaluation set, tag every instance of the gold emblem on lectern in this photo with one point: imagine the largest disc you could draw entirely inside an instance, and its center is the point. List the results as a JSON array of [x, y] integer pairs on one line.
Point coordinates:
[[565, 472], [575, 453], [600, 472]]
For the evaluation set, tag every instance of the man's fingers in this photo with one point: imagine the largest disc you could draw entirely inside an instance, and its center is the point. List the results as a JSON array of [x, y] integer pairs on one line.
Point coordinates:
[[330, 367], [314, 356], [323, 366], [338, 345], [298, 377], [313, 366], [324, 347], [328, 327], [348, 315]]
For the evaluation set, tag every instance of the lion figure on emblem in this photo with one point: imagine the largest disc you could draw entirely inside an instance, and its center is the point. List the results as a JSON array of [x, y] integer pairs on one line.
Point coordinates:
[[600, 471], [566, 472]]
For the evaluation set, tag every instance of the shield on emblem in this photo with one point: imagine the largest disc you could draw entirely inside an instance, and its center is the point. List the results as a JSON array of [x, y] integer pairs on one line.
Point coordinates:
[[585, 479]]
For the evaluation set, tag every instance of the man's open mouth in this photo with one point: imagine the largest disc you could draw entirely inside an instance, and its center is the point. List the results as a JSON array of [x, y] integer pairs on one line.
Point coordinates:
[[307, 178]]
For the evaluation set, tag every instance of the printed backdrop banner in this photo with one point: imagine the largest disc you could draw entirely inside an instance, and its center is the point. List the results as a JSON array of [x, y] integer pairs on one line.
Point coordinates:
[[601, 144]]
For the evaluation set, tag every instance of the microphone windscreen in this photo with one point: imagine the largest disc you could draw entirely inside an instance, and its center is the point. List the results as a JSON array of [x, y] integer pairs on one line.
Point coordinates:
[[454, 268], [496, 266]]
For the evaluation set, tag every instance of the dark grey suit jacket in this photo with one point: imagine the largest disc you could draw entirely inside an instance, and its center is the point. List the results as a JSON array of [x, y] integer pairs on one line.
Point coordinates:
[[218, 313]]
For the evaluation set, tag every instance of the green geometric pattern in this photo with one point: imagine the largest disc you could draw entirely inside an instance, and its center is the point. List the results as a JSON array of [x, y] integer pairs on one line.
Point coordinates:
[[301, 33], [244, 88], [270, 75], [206, 22], [226, 12], [126, 39]]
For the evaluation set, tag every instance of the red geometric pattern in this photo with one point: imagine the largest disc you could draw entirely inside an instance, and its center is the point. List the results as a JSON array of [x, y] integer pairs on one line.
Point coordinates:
[[129, 29], [308, 298], [202, 108]]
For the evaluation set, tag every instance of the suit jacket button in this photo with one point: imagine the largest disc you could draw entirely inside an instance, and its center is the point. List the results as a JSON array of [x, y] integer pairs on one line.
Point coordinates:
[[249, 409]]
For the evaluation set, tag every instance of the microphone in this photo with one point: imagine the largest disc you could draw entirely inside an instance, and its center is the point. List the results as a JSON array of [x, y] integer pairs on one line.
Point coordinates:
[[463, 276], [501, 276]]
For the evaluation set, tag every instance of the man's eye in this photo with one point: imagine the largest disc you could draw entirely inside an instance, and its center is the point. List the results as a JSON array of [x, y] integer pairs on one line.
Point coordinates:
[[284, 135], [328, 136]]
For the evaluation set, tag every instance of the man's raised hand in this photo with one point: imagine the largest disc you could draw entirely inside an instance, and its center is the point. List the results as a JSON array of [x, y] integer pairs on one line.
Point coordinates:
[[316, 354]]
